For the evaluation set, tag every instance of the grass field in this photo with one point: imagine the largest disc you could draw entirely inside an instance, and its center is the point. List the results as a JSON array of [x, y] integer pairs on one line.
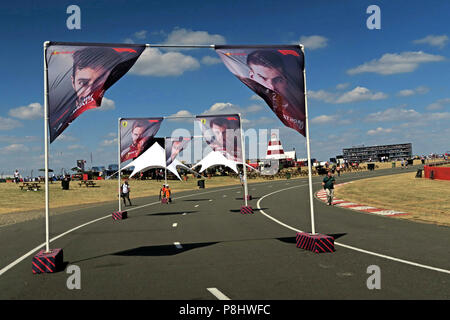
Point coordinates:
[[425, 200], [15, 200]]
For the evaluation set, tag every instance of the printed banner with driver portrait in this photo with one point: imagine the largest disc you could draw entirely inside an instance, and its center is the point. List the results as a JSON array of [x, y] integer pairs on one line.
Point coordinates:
[[136, 135], [275, 74], [174, 146], [222, 133], [78, 76]]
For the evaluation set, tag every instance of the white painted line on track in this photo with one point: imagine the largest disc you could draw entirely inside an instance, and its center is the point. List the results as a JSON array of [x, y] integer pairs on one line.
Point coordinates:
[[344, 245], [42, 245], [216, 293], [196, 205], [175, 225], [178, 245]]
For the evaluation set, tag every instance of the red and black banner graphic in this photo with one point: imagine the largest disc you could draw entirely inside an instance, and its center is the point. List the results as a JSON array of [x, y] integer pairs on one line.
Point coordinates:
[[222, 133], [275, 74], [174, 146], [78, 76], [136, 136]]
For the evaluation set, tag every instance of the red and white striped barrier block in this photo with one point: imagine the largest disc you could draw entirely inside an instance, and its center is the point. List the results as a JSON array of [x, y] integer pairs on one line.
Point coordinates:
[[119, 215], [317, 243], [246, 210], [47, 262]]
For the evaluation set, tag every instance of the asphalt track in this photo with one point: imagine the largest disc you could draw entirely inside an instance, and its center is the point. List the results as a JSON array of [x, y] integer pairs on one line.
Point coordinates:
[[201, 248]]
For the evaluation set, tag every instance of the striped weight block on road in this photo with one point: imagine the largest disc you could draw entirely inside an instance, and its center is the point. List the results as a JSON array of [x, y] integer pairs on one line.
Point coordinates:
[[47, 262], [317, 243], [119, 215], [246, 209]]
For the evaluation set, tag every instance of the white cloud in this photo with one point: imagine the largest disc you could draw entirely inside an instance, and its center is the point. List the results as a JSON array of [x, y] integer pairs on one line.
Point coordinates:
[[30, 112], [128, 40], [13, 139], [255, 97], [227, 107], [140, 34], [323, 119], [378, 130], [360, 94], [342, 86], [107, 104], [438, 105], [181, 113], [108, 143], [9, 124], [410, 92], [314, 42], [208, 60], [392, 63], [182, 36], [14, 148], [64, 137], [153, 62], [355, 95], [432, 40], [75, 146], [394, 114], [438, 116]]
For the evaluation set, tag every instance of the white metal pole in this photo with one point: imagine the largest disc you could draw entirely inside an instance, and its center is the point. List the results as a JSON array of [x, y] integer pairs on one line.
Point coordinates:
[[47, 244], [243, 161], [119, 138], [165, 164], [313, 230]]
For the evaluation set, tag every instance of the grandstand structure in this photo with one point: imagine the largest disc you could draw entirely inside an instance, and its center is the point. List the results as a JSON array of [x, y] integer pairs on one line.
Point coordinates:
[[389, 152]]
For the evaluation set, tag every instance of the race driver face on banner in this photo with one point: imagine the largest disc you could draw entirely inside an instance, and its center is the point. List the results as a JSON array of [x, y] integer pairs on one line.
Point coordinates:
[[174, 146], [79, 75], [276, 75], [222, 134], [136, 135]]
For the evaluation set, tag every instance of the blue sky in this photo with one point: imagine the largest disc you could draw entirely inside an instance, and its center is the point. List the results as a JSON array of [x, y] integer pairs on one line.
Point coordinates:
[[364, 86]]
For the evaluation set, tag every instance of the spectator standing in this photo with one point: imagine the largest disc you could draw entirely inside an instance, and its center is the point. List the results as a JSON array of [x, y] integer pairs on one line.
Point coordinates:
[[16, 176]]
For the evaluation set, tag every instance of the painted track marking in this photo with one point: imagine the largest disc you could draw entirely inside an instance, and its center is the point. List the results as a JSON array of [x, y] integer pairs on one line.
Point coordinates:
[[42, 245], [344, 245], [178, 245], [219, 295]]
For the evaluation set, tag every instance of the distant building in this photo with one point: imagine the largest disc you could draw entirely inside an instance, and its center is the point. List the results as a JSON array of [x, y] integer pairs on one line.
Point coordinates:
[[377, 153], [291, 155]]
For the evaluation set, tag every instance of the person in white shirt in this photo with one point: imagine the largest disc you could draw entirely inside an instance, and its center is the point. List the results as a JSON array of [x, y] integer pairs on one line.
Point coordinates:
[[125, 192]]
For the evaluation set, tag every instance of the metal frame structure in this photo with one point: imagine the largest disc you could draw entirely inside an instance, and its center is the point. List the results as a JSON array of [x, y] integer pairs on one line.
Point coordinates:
[[46, 119]]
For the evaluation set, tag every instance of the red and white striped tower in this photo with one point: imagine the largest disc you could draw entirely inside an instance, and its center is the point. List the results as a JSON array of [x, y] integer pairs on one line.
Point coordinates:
[[275, 149]]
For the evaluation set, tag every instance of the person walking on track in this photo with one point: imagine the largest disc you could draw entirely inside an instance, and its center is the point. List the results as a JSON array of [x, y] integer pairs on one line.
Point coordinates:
[[125, 192], [328, 185]]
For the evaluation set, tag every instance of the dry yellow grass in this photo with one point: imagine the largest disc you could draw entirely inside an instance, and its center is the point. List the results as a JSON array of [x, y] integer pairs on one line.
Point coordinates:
[[15, 200], [425, 200]]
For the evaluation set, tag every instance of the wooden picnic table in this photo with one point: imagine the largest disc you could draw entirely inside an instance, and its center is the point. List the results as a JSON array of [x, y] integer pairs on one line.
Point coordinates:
[[87, 183], [30, 186]]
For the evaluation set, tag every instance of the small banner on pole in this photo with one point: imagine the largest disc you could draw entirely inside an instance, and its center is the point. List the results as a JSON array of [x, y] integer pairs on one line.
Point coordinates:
[[136, 136], [174, 146], [222, 133], [275, 74], [78, 76]]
